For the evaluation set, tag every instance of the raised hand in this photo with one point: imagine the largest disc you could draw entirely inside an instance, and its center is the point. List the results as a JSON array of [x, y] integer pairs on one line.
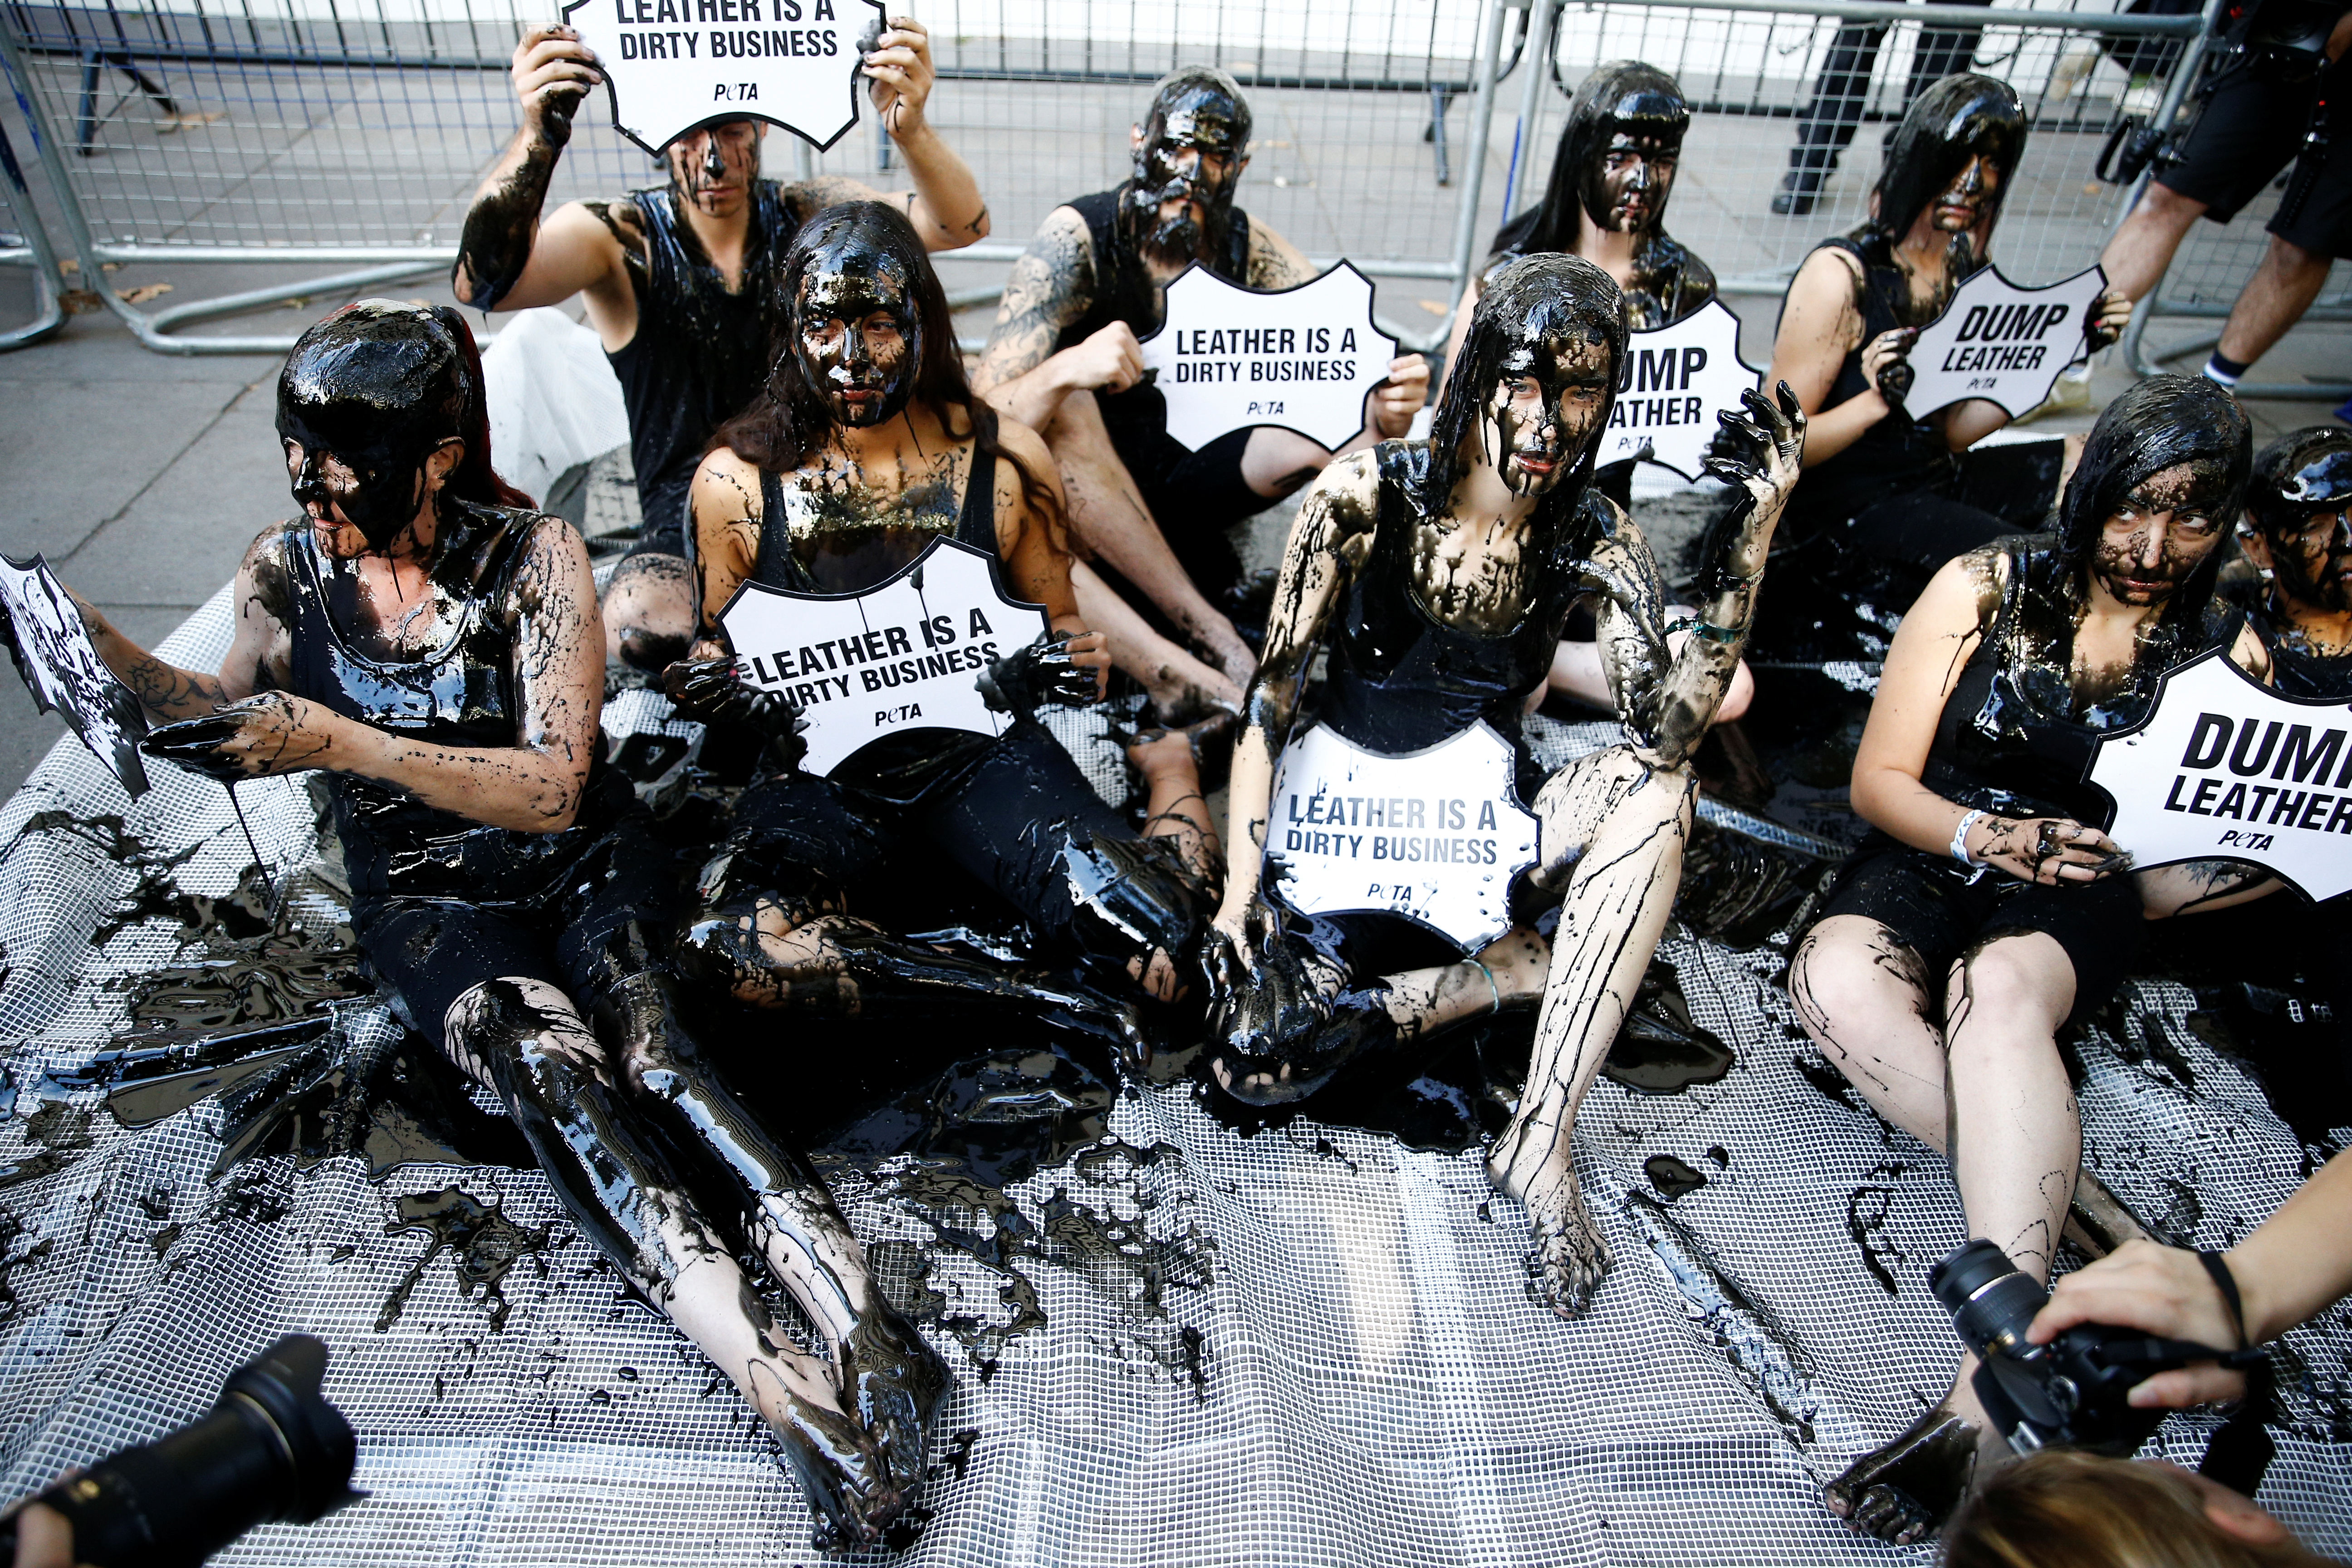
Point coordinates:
[[1886, 366], [1396, 400], [1764, 453], [260, 737], [2108, 319], [898, 71], [713, 692], [552, 72]]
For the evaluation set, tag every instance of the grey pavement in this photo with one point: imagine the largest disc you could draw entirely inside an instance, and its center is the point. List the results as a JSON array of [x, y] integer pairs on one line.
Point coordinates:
[[142, 477]]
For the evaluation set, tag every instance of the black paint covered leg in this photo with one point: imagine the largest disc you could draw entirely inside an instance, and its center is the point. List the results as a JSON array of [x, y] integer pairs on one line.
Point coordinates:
[[1903, 1492], [522, 1038]]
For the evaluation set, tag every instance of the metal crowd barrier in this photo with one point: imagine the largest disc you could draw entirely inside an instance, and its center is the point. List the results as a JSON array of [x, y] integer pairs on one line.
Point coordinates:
[[351, 132], [25, 249]]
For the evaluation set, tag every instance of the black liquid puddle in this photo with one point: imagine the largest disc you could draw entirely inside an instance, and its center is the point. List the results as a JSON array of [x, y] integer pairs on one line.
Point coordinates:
[[1671, 1178], [483, 1245], [59, 1134]]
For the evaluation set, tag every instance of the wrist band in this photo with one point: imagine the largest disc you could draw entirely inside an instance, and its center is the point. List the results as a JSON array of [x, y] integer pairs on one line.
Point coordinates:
[[1714, 633], [1498, 1001], [1960, 839], [2226, 1283]]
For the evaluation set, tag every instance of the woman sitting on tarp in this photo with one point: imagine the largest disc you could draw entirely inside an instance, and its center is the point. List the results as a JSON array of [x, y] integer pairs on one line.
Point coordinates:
[[433, 645], [868, 445], [1984, 911], [1437, 574], [1887, 499]]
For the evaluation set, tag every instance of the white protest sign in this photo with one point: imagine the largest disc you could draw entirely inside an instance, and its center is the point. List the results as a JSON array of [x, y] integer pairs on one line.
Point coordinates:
[[1229, 358], [1436, 835], [673, 65], [2001, 343], [1672, 384], [2225, 769], [60, 664], [904, 655]]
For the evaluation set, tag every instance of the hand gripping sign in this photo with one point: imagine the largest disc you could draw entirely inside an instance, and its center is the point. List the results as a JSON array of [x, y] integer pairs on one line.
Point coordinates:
[[1227, 358], [904, 655], [2001, 343], [2225, 769], [1436, 835], [61, 667], [673, 65], [1672, 384]]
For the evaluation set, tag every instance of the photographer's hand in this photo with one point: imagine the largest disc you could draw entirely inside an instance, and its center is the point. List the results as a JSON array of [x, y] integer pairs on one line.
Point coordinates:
[[2161, 1291], [44, 1537]]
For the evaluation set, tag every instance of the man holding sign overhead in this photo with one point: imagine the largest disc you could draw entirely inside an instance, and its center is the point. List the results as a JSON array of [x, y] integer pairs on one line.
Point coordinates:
[[1890, 490], [1065, 358], [673, 277]]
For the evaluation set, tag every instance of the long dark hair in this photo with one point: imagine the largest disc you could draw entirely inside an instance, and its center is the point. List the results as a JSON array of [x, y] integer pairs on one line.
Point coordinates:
[[1534, 296], [1957, 118], [2155, 424], [1639, 98], [789, 419]]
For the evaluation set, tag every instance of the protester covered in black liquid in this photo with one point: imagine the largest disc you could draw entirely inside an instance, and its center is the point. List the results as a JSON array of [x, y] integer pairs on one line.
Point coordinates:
[[432, 645], [867, 445], [1436, 574], [1063, 359], [1984, 911], [1888, 499], [674, 279]]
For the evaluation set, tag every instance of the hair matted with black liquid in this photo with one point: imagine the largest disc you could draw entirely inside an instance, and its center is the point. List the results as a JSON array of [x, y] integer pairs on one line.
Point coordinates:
[[1626, 95], [2155, 424], [1535, 297], [789, 419], [410, 377], [2303, 472], [1954, 119]]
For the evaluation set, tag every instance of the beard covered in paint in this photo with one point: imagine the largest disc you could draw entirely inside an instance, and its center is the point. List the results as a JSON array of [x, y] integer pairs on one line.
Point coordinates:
[[1951, 157], [857, 334], [712, 168], [2301, 499], [1179, 201], [1535, 379], [366, 396], [2171, 444]]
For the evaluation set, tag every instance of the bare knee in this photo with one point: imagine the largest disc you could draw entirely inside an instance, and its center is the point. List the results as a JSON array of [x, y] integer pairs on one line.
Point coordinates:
[[2008, 996], [2295, 263], [649, 612], [1848, 971], [2167, 208]]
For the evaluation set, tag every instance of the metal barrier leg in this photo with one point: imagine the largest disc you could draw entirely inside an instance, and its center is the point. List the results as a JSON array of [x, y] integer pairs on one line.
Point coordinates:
[[1436, 133], [49, 314]]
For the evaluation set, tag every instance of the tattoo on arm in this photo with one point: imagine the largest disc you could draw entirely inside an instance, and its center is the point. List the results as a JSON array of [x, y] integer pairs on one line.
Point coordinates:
[[1049, 288], [1274, 262]]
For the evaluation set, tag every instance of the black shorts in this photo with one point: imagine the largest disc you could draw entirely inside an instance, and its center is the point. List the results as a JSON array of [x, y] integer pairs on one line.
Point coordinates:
[[2251, 128], [1998, 490], [428, 953], [1933, 908], [1005, 819], [1196, 497]]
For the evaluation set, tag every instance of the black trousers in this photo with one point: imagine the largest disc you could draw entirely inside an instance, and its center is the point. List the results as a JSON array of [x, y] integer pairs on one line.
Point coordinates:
[[1843, 88]]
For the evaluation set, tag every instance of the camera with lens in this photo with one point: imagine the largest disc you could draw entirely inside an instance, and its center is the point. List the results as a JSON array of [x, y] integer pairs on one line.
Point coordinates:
[[272, 1449], [2071, 1393], [2283, 42]]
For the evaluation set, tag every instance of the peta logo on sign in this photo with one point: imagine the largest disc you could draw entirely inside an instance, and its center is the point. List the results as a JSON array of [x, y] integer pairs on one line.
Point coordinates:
[[1228, 358], [2001, 343], [2225, 769], [907, 654], [1435, 836], [1673, 382], [673, 65]]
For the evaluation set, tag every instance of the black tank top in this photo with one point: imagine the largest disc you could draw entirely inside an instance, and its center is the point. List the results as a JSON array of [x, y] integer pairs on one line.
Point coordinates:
[[1399, 679], [2009, 738], [907, 765], [1670, 284], [2294, 671], [463, 694], [1124, 291], [1891, 457], [701, 354]]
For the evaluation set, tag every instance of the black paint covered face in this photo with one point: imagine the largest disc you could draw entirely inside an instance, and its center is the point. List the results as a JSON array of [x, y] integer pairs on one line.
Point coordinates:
[[1950, 157], [2301, 499], [1546, 407], [1974, 192], [2163, 530], [1189, 156], [713, 168], [857, 335], [366, 397], [1626, 189]]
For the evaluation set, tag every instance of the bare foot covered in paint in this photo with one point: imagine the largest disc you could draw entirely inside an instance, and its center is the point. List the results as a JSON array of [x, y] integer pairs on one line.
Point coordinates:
[[852, 1496], [1903, 1492], [897, 1379], [1568, 1257]]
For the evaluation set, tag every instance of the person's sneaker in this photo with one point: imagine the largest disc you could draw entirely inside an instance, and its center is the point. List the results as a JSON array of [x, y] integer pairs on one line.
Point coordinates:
[[1797, 196], [2070, 392]]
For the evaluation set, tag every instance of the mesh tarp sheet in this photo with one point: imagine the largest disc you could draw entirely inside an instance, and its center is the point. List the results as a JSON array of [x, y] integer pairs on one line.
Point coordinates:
[[1182, 1342]]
